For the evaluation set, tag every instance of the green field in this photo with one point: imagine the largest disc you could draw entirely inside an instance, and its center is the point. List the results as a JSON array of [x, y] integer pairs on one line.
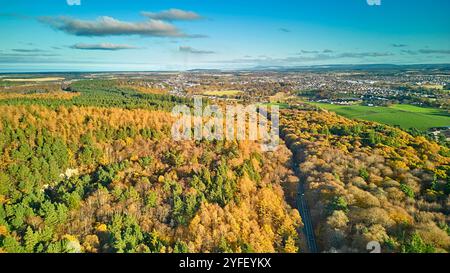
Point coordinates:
[[8, 84], [405, 116], [281, 105]]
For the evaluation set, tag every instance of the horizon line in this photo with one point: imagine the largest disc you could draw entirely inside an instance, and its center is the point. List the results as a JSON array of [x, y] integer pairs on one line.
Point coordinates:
[[254, 68]]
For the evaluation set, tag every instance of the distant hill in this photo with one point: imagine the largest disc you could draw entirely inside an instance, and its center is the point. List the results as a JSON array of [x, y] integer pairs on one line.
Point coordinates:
[[444, 67]]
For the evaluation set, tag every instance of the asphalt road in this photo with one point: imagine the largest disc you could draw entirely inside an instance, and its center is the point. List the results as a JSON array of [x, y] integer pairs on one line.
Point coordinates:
[[308, 229], [302, 206]]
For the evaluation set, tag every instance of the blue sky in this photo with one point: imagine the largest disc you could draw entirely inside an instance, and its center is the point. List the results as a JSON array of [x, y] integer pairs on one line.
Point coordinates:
[[50, 35]]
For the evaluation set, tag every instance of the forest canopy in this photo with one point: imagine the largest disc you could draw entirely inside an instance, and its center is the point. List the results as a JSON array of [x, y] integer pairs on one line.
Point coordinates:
[[98, 172]]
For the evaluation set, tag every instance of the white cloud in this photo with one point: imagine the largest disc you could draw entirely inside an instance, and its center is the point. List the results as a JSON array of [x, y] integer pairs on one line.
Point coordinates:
[[108, 26], [173, 15], [102, 46], [188, 49]]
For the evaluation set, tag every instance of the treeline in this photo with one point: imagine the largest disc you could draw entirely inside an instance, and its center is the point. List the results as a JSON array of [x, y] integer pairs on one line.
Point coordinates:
[[144, 86], [102, 93], [369, 182]]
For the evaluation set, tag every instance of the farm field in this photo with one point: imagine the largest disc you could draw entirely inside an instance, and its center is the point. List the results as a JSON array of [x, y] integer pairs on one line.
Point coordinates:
[[405, 116], [46, 79], [281, 105], [223, 93], [433, 86]]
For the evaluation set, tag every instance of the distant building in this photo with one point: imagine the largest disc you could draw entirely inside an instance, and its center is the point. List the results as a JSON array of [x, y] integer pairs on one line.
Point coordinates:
[[436, 132]]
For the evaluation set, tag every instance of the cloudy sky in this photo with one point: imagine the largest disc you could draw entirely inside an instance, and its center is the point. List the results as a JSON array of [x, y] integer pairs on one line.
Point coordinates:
[[50, 35]]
